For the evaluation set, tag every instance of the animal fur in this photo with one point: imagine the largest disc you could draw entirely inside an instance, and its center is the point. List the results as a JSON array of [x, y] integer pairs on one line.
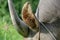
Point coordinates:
[[28, 17]]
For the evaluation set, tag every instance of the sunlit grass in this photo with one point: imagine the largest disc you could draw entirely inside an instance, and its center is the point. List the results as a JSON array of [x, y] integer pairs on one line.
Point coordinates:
[[7, 32]]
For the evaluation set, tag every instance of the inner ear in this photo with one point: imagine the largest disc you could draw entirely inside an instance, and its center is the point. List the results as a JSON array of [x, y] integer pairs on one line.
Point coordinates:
[[28, 17]]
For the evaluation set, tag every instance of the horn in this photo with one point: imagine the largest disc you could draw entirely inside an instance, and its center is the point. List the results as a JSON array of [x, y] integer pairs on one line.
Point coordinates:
[[20, 26]]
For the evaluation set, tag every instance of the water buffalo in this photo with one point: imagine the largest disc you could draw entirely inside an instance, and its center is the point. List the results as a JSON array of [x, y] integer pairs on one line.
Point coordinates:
[[48, 17]]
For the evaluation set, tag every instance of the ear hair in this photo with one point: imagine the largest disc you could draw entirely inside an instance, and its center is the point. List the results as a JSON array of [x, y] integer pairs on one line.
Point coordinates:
[[29, 18]]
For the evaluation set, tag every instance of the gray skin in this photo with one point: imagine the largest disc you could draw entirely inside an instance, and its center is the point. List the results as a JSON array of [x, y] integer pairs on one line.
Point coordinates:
[[49, 10], [45, 6]]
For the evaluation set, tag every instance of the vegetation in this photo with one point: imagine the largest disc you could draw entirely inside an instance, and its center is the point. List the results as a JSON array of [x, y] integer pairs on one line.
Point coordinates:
[[7, 31]]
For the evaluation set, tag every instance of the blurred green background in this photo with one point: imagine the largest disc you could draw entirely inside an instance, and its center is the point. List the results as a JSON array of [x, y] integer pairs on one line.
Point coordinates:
[[7, 31]]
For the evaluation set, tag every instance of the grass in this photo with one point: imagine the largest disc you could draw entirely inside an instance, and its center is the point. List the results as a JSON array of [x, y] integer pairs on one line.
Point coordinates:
[[7, 32]]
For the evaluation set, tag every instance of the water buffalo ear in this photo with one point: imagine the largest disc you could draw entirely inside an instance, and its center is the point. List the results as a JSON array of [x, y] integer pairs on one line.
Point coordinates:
[[29, 18]]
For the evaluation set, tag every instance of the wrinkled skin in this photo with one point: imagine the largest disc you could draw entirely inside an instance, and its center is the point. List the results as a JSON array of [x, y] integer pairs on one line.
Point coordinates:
[[49, 12]]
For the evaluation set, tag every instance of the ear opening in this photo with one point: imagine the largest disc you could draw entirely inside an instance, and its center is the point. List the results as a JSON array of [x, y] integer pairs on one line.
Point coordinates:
[[29, 18]]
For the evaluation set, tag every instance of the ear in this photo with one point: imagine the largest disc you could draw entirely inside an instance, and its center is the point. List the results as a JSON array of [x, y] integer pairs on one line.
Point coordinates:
[[29, 18]]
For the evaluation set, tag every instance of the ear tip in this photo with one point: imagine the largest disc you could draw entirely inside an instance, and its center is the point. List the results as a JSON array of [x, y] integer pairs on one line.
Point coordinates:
[[27, 3]]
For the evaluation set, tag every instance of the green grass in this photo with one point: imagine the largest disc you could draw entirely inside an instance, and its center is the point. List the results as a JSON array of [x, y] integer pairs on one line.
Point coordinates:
[[7, 32]]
